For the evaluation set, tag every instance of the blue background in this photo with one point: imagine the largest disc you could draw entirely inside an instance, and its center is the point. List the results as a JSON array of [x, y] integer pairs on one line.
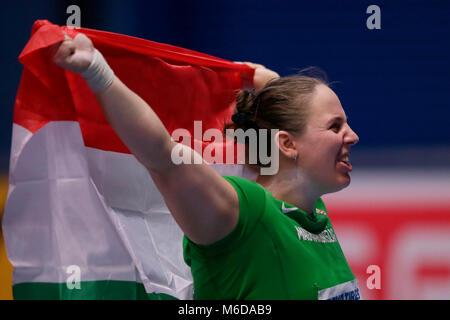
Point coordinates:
[[394, 83]]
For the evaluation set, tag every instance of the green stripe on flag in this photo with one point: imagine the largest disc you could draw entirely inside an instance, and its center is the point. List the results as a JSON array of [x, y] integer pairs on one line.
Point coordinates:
[[89, 290]]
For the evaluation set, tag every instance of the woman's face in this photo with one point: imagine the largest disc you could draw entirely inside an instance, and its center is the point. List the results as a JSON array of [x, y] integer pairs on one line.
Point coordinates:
[[324, 146]]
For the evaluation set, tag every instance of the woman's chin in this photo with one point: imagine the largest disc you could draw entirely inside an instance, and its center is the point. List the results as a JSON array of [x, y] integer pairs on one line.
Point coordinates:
[[345, 182], [342, 182]]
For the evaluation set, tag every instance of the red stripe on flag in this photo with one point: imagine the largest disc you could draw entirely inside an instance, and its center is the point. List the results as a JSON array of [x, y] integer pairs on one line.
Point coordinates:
[[180, 85]]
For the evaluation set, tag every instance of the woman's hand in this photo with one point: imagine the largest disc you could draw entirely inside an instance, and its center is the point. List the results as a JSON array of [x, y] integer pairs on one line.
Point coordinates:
[[75, 54], [262, 75]]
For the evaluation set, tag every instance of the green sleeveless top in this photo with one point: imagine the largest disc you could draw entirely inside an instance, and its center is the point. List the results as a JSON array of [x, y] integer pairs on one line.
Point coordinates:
[[276, 251]]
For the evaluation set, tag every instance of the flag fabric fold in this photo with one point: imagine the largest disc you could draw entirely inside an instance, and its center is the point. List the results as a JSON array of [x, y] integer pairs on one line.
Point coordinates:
[[83, 218]]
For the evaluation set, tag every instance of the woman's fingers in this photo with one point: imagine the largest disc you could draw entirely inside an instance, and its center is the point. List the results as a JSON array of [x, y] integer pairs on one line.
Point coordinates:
[[66, 36], [74, 54], [82, 42], [254, 65], [262, 75], [63, 53]]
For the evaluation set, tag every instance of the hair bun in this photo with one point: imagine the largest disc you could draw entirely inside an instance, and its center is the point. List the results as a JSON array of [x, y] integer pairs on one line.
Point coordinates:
[[240, 118]]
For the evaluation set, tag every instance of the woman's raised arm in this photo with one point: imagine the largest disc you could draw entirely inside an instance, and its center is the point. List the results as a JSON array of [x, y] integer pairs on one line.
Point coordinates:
[[204, 205]]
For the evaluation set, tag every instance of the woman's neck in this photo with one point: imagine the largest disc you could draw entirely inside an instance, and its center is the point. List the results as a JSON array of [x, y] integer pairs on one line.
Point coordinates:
[[291, 186]]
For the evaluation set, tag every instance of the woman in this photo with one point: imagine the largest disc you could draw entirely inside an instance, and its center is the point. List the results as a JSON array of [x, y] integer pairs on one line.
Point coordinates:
[[269, 239]]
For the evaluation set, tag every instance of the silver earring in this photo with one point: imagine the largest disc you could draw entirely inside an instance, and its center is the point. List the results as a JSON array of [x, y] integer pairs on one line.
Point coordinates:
[[295, 157]]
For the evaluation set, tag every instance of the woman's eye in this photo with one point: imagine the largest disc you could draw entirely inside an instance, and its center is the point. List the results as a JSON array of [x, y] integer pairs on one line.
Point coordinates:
[[335, 127]]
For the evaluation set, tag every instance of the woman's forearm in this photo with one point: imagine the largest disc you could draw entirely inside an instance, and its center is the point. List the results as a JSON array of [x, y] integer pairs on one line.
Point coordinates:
[[137, 125]]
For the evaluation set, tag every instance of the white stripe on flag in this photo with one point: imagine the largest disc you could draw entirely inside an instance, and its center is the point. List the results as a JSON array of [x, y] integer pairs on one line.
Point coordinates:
[[100, 210]]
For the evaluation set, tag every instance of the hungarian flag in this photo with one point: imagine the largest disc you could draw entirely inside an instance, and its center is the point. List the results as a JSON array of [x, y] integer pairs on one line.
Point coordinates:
[[83, 218]]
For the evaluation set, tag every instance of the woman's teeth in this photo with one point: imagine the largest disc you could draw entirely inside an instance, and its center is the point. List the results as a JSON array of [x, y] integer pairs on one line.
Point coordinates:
[[345, 159]]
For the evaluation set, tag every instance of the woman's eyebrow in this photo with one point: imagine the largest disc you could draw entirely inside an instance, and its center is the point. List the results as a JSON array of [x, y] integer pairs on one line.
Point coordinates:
[[338, 118]]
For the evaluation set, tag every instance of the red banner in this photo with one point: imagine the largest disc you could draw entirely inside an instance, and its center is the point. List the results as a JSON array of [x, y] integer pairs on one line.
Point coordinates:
[[397, 252]]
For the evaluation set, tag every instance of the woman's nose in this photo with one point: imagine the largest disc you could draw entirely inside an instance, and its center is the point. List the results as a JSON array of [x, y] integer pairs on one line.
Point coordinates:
[[351, 137]]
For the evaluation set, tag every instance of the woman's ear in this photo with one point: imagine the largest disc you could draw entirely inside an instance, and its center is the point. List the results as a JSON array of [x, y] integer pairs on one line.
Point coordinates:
[[286, 144]]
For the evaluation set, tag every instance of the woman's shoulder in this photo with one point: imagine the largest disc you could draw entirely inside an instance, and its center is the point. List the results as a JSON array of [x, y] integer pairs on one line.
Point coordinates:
[[242, 181], [249, 187], [252, 195]]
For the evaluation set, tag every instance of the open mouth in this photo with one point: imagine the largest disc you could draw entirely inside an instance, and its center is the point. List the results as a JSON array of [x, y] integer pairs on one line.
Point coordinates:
[[345, 159]]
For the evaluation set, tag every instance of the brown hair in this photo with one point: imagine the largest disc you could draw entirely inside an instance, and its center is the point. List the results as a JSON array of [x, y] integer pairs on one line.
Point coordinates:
[[282, 104]]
